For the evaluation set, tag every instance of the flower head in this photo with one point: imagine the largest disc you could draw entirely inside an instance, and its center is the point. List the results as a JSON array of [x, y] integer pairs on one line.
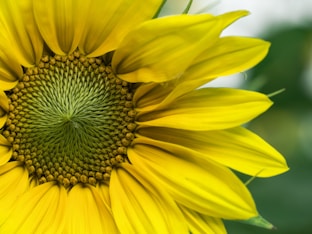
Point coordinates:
[[104, 129]]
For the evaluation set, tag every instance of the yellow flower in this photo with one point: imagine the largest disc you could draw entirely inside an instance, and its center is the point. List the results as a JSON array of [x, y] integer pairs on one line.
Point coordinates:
[[104, 129]]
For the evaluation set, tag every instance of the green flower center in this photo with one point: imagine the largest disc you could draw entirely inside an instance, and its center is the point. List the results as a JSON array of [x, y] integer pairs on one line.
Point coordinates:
[[71, 120]]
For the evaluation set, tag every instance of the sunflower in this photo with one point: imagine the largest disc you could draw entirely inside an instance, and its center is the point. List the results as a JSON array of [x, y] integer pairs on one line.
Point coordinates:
[[104, 128]]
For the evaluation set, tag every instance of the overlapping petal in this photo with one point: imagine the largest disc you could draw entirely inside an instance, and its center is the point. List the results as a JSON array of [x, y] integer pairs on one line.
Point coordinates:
[[4, 108], [212, 190], [3, 117], [88, 212], [237, 148], [10, 71], [162, 49], [103, 190], [13, 183], [5, 150], [149, 95], [107, 23], [40, 210], [61, 26], [208, 109], [139, 207], [19, 33], [199, 223], [236, 53]]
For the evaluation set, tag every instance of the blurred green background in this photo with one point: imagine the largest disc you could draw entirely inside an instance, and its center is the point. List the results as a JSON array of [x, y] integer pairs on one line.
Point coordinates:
[[285, 200]]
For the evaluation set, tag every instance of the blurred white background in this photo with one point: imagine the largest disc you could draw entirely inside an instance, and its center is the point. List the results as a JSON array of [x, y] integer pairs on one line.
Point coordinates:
[[264, 13]]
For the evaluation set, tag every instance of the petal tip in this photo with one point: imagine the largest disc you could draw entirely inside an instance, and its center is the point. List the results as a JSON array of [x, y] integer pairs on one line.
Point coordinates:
[[259, 221]]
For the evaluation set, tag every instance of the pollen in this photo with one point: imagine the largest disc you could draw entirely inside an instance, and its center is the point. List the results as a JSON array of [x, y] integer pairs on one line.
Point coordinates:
[[70, 120]]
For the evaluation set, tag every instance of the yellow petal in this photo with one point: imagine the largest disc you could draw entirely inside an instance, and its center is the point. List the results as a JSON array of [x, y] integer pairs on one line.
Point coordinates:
[[4, 108], [40, 210], [150, 94], [3, 118], [103, 190], [162, 49], [19, 33], [13, 183], [229, 55], [212, 190], [61, 23], [170, 91], [199, 223], [139, 207], [10, 70], [7, 85], [209, 109], [107, 23], [229, 17], [5, 150], [236, 148], [4, 102], [88, 213]]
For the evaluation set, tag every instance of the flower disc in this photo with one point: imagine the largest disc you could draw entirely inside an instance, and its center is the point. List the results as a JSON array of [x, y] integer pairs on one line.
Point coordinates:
[[70, 120]]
